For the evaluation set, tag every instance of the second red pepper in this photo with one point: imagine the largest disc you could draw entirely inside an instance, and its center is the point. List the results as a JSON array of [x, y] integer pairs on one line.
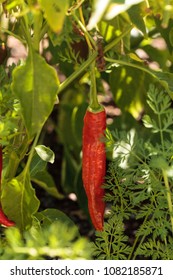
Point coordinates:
[[94, 164], [3, 219]]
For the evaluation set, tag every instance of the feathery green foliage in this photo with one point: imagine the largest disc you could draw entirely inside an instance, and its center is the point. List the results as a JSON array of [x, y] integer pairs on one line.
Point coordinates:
[[139, 188]]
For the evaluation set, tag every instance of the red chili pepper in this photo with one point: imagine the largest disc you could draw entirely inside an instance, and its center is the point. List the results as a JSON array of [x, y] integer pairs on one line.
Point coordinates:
[[94, 164], [3, 219]]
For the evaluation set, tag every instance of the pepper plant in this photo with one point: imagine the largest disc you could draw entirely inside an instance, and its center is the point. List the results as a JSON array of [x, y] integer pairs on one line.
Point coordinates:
[[88, 42]]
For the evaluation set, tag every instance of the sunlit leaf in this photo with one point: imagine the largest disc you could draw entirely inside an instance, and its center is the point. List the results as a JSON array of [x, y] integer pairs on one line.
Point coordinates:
[[35, 84], [37, 165], [19, 201], [45, 153], [128, 93], [137, 18], [147, 121], [48, 216], [55, 12]]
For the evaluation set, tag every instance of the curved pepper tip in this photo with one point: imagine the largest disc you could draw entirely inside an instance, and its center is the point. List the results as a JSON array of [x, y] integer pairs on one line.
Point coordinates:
[[4, 220]]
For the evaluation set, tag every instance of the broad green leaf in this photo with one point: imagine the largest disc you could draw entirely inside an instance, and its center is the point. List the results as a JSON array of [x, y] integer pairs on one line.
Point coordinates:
[[19, 201], [115, 30], [37, 165], [48, 216], [55, 12], [45, 181], [35, 84], [136, 16], [45, 153], [129, 93]]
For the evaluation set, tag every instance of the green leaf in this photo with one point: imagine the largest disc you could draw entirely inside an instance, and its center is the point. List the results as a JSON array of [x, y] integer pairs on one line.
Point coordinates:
[[147, 121], [115, 31], [19, 201], [128, 94], [35, 84], [37, 165], [45, 181], [135, 13], [55, 12], [48, 216], [45, 153], [135, 57]]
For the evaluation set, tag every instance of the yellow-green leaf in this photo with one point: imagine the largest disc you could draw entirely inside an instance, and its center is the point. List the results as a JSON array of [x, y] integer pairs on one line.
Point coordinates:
[[19, 201], [54, 12], [35, 85]]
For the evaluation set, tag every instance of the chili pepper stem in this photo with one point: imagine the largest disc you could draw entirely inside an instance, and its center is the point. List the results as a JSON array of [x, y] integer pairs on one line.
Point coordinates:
[[94, 105]]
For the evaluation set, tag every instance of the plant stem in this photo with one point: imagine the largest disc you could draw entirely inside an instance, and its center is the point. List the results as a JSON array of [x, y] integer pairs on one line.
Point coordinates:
[[161, 132], [142, 68], [93, 104], [18, 153], [136, 240], [125, 63], [37, 30], [109, 46], [87, 35], [32, 151], [25, 28], [92, 57], [77, 73], [92, 43], [165, 177]]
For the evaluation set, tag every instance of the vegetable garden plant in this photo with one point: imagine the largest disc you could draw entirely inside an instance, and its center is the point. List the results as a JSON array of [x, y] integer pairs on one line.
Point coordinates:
[[122, 169]]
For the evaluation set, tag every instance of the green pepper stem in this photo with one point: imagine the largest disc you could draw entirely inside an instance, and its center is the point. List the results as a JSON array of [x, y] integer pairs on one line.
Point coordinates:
[[93, 104]]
